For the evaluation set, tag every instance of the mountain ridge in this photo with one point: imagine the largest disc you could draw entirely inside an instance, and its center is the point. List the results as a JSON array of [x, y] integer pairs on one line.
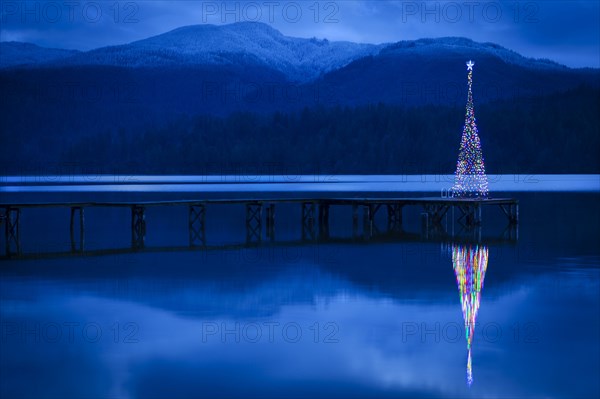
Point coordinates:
[[244, 43], [14, 54], [277, 93], [256, 44]]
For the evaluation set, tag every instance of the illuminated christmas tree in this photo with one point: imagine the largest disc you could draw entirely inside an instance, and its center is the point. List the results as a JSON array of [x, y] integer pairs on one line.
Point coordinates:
[[470, 265], [470, 179]]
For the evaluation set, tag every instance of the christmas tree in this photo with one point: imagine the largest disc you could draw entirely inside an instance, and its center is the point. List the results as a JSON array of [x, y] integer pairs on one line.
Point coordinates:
[[470, 265], [470, 179]]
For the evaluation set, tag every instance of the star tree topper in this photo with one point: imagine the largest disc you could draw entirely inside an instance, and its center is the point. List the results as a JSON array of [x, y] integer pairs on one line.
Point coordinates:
[[470, 65]]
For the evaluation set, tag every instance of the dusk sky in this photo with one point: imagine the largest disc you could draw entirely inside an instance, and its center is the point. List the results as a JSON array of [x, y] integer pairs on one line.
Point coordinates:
[[565, 31]]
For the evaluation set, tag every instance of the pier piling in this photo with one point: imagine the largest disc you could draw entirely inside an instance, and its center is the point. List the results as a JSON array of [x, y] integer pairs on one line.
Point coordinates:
[[271, 222], [138, 226], [308, 221], [12, 230], [77, 246], [197, 225], [253, 222]]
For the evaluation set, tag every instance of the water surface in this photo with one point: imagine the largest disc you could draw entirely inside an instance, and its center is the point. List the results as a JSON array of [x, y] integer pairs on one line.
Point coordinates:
[[364, 318]]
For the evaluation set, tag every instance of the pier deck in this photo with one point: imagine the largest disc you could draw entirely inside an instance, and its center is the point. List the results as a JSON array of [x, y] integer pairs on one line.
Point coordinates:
[[261, 212]]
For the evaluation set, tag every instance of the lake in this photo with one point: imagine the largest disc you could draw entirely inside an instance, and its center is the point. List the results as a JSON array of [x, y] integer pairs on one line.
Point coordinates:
[[405, 318]]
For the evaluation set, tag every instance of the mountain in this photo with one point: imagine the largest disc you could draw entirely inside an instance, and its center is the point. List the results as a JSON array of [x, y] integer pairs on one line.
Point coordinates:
[[250, 66], [14, 54], [259, 45], [238, 44], [432, 71], [459, 45], [60, 100]]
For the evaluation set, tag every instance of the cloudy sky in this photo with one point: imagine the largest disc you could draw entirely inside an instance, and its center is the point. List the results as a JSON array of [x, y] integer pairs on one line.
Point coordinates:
[[564, 31]]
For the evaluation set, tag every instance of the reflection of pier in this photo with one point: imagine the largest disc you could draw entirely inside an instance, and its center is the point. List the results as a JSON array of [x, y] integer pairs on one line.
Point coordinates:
[[315, 215]]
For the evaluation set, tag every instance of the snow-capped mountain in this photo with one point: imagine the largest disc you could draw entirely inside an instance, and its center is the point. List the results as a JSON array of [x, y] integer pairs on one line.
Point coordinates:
[[432, 71], [239, 44], [219, 69], [433, 47], [239, 71], [256, 45]]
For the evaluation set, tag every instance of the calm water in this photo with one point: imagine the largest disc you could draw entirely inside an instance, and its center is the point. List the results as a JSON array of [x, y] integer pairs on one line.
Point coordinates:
[[374, 318]]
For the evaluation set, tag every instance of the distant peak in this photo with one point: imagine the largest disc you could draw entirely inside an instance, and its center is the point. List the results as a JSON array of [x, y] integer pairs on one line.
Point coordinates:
[[497, 50], [18, 44], [30, 46], [19, 53], [245, 26], [250, 25], [449, 41]]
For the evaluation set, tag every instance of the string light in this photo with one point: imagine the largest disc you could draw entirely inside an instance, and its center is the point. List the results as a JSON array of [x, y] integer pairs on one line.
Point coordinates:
[[470, 265], [470, 179]]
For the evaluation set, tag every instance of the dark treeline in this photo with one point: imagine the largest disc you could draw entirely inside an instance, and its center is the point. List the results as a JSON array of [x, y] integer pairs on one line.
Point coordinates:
[[551, 134]]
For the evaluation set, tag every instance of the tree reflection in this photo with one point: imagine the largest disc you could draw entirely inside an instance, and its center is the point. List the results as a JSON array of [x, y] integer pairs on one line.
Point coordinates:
[[470, 263]]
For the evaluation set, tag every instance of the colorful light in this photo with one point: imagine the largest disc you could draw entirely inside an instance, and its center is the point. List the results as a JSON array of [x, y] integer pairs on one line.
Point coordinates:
[[470, 264], [470, 179]]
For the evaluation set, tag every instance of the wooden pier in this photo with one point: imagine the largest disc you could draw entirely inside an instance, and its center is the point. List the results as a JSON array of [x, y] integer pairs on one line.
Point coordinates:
[[315, 216]]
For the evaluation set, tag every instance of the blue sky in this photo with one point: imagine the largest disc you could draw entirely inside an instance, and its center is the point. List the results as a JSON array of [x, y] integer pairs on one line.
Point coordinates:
[[564, 31]]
